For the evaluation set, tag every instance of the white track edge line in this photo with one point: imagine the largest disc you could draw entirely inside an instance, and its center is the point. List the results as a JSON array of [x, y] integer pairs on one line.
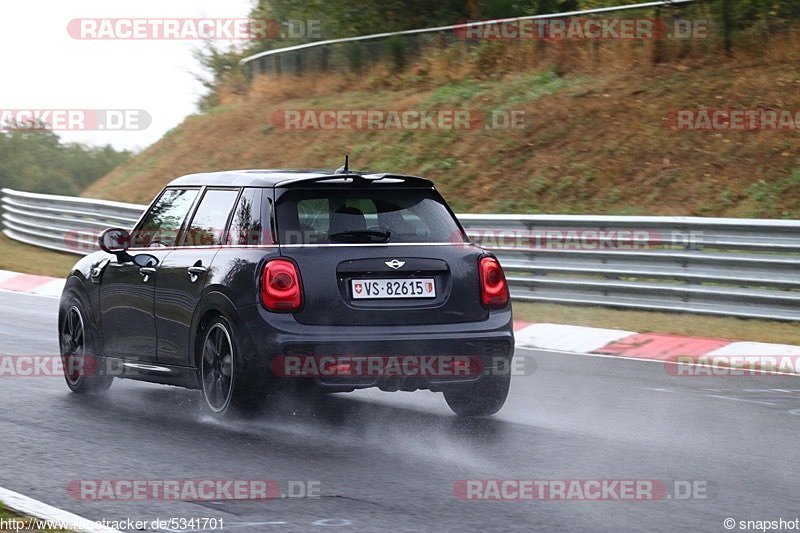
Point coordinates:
[[30, 293], [35, 508]]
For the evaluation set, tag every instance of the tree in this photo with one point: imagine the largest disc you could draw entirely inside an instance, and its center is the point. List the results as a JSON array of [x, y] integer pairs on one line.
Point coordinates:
[[36, 161]]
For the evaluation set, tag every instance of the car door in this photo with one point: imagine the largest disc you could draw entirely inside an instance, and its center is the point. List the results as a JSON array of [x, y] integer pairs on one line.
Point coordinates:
[[183, 273], [127, 291]]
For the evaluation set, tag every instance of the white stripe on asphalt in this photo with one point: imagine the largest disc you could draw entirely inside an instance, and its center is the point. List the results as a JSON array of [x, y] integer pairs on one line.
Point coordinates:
[[737, 399], [31, 293], [35, 508]]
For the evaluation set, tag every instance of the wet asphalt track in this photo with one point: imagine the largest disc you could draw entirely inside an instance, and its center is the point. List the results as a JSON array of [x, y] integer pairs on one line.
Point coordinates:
[[389, 461]]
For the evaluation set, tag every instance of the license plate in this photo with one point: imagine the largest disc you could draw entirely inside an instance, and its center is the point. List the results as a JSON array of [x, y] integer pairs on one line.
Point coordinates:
[[364, 289]]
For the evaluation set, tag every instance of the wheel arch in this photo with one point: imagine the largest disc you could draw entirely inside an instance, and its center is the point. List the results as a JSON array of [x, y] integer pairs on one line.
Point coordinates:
[[212, 305], [75, 288]]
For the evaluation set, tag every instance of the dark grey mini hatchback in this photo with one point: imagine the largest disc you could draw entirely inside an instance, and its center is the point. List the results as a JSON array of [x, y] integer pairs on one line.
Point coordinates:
[[244, 283]]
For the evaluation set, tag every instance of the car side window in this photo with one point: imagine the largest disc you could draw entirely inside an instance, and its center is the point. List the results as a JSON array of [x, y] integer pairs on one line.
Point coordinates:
[[250, 224], [211, 218], [163, 221]]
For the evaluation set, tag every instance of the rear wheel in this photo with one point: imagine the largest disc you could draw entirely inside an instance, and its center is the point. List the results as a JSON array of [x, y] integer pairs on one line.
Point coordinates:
[[226, 385], [81, 368], [484, 398]]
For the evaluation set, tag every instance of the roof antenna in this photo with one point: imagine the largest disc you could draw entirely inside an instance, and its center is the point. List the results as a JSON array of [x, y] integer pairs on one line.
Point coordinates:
[[346, 168]]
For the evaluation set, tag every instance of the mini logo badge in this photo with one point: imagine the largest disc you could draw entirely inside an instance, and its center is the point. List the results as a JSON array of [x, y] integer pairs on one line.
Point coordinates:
[[394, 264]]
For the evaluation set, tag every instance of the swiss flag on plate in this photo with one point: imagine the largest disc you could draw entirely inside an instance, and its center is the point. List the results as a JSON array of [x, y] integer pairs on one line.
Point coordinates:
[[357, 288]]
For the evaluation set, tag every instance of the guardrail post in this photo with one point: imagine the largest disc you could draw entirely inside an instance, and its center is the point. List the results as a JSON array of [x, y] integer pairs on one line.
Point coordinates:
[[658, 40], [727, 27], [324, 59]]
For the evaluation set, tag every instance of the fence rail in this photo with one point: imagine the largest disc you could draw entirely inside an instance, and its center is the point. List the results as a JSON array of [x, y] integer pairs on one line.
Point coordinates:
[[62, 223], [718, 266], [323, 55]]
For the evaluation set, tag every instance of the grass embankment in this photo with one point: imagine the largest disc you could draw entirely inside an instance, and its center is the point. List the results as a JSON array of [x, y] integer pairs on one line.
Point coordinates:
[[20, 257], [596, 141]]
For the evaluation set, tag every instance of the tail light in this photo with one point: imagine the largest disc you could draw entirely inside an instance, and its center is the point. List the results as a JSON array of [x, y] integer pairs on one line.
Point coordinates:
[[280, 286], [494, 289]]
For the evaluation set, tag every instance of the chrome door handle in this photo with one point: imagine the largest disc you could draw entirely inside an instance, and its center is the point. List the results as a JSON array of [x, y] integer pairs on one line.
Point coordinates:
[[195, 272], [146, 272]]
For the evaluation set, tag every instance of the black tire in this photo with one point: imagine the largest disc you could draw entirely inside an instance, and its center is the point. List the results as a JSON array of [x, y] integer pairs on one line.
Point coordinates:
[[484, 398], [83, 370], [228, 387]]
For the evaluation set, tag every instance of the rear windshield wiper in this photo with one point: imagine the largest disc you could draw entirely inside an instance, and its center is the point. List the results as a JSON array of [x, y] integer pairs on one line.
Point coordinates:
[[366, 235]]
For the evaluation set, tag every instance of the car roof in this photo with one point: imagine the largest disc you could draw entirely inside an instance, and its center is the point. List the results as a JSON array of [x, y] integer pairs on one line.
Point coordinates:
[[294, 178]]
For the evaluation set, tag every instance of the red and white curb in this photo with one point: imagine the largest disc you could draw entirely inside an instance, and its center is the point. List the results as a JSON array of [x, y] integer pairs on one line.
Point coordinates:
[[53, 517], [656, 346], [28, 283]]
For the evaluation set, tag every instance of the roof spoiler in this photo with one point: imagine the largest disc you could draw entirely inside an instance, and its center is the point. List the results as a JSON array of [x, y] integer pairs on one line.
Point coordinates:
[[357, 178]]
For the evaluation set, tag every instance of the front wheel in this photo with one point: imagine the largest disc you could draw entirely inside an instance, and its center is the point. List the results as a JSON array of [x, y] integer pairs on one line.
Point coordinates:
[[81, 369], [484, 398]]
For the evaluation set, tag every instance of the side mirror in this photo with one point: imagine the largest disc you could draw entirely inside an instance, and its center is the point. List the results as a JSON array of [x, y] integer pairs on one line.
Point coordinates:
[[115, 241]]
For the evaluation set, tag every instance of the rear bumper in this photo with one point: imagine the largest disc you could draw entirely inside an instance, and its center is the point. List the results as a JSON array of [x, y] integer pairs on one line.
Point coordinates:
[[278, 334]]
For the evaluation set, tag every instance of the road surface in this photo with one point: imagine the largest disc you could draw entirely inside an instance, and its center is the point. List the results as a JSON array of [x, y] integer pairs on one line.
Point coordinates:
[[390, 460]]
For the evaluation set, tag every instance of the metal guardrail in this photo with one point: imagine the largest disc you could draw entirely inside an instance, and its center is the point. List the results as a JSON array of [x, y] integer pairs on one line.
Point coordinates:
[[62, 223], [718, 266], [293, 59]]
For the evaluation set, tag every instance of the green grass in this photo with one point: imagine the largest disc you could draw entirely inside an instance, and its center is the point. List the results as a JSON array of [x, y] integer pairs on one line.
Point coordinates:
[[28, 259], [768, 192]]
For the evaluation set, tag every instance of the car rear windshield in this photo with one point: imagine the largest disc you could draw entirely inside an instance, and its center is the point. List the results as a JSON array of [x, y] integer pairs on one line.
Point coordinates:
[[385, 215]]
